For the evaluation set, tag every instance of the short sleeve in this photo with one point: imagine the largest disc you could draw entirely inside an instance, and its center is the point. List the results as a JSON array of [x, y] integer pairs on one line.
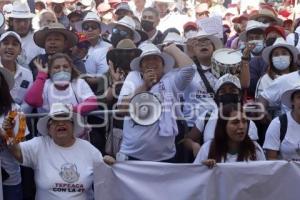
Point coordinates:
[[252, 132], [260, 155], [203, 153], [131, 83], [272, 139], [30, 151]]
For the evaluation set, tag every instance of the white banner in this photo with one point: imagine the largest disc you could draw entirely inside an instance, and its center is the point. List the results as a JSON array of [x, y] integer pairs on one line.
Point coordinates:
[[212, 25], [137, 180]]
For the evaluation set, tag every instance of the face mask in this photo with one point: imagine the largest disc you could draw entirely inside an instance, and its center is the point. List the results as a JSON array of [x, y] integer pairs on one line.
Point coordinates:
[[242, 45], [270, 41], [147, 25], [228, 98], [61, 78], [259, 45], [281, 62]]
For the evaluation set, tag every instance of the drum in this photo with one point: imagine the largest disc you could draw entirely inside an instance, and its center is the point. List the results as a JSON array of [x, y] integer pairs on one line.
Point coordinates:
[[226, 61]]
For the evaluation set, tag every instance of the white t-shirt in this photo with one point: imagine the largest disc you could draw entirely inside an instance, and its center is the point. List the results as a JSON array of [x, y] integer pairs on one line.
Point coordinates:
[[283, 83], [96, 62], [29, 50], [209, 132], [155, 142], [196, 98], [264, 82], [101, 44], [290, 39], [204, 151], [61, 173], [7, 160], [76, 93], [290, 146], [23, 81]]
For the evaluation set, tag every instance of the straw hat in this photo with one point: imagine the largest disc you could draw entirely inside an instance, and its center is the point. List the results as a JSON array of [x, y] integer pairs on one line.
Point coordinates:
[[202, 34], [39, 37], [129, 23], [20, 10], [124, 45], [279, 42], [286, 97], [150, 49], [266, 11], [251, 25], [63, 111], [93, 17]]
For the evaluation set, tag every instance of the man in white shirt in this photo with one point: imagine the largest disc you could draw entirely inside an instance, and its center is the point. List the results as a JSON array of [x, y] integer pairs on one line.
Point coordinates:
[[20, 21], [152, 72]]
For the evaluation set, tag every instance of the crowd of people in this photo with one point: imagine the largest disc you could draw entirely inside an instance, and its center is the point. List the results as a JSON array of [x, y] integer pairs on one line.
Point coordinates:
[[75, 67]]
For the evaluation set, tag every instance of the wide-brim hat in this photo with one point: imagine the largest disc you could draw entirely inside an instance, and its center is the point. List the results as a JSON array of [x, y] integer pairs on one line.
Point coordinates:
[[268, 12], [251, 25], [127, 22], [93, 17], [286, 97], [21, 10], [8, 76], [202, 34], [124, 45], [58, 111], [150, 49], [279, 42], [39, 37]]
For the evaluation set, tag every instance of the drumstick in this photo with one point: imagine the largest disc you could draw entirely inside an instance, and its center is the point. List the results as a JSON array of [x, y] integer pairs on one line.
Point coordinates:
[[235, 50]]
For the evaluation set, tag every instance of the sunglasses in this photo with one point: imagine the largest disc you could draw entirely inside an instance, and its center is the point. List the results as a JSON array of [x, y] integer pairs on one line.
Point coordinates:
[[87, 27], [121, 32]]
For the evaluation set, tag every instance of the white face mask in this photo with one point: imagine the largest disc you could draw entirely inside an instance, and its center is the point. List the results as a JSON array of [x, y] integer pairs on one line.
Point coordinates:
[[259, 46], [281, 62], [61, 78]]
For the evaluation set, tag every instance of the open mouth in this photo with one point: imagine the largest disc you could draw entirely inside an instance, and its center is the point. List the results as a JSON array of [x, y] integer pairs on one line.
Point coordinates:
[[204, 49], [61, 129], [9, 53]]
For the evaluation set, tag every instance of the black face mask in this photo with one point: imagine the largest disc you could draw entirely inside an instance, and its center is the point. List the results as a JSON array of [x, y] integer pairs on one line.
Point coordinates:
[[147, 25], [116, 38], [228, 98], [270, 41]]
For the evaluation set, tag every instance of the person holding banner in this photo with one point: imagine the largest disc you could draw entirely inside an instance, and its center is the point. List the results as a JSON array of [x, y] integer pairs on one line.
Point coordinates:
[[282, 137], [231, 142], [62, 163]]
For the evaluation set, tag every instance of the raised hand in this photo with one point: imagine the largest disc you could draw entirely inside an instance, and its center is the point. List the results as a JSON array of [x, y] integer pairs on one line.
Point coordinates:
[[39, 65], [150, 78]]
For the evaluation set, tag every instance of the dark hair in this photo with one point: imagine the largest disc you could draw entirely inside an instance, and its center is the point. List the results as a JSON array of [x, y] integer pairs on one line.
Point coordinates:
[[255, 31], [6, 99], [293, 94], [291, 66], [153, 10], [219, 146], [74, 74], [11, 28]]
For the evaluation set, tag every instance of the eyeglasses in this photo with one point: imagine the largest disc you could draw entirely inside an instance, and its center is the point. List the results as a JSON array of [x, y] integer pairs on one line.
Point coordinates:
[[87, 27], [202, 42], [121, 32]]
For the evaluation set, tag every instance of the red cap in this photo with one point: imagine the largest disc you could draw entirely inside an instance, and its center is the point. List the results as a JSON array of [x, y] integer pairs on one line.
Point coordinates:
[[240, 18], [274, 28], [190, 25]]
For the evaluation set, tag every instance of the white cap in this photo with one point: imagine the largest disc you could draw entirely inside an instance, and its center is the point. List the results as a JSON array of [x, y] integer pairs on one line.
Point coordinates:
[[228, 79], [11, 33]]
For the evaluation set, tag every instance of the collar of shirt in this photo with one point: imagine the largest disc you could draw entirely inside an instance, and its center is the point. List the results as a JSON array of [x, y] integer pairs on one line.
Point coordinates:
[[155, 34], [205, 68]]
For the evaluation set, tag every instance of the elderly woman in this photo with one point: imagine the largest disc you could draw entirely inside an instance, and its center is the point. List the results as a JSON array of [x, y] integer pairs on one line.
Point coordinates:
[[153, 72], [60, 83], [231, 142], [63, 164], [282, 137]]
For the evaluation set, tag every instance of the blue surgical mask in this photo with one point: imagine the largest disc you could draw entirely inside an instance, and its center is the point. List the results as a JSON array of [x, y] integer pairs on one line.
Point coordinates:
[[281, 62], [61, 78], [259, 46]]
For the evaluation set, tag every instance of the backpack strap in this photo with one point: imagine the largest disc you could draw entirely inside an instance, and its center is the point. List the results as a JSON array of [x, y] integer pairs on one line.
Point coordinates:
[[296, 40], [283, 126]]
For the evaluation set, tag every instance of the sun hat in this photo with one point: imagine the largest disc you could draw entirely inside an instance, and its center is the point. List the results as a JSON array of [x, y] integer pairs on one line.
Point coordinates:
[[150, 49], [40, 36], [251, 25], [202, 34], [124, 45], [20, 10], [228, 79], [127, 22], [123, 6], [8, 76], [266, 11], [11, 33], [60, 111], [279, 42], [93, 17], [286, 97]]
